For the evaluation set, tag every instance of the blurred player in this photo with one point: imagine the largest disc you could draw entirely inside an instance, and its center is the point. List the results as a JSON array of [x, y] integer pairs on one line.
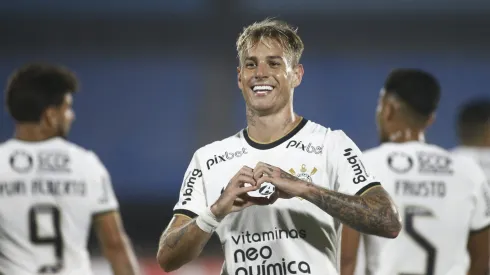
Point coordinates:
[[52, 190], [318, 174], [443, 198], [473, 129]]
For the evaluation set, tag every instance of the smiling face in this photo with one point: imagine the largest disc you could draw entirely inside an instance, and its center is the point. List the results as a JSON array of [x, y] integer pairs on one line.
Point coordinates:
[[267, 76]]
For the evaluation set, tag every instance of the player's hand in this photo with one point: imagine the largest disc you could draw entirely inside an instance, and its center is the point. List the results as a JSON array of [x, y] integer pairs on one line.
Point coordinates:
[[234, 197], [287, 185]]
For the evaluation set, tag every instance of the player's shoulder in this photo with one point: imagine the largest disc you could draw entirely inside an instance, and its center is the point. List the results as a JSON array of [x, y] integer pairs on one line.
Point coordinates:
[[84, 157], [227, 144]]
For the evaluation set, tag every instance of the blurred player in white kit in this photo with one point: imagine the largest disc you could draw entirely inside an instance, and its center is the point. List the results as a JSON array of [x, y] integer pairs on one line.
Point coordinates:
[[52, 190], [473, 128], [443, 198]]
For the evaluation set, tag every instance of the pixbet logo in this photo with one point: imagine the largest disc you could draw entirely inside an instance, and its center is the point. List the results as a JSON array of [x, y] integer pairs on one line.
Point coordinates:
[[356, 166], [189, 185], [224, 157], [306, 148]]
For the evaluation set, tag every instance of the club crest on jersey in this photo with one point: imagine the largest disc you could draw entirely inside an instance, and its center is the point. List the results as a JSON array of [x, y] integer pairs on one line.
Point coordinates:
[[304, 174]]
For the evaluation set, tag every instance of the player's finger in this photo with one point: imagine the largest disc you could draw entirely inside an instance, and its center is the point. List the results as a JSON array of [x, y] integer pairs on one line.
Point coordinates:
[[266, 179], [261, 172], [247, 189], [242, 179], [245, 171]]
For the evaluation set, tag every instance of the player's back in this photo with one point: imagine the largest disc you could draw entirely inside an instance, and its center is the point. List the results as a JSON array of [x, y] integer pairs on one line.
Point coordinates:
[[46, 207], [439, 196]]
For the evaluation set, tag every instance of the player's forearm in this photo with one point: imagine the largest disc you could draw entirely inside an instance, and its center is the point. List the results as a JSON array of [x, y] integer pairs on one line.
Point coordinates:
[[480, 269], [373, 213], [122, 259], [180, 245]]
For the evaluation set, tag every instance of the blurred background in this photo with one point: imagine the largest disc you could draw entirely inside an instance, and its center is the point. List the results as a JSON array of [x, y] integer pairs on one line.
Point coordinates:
[[159, 79]]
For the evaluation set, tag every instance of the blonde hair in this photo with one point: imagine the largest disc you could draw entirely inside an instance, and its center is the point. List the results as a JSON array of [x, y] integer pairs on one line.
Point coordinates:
[[276, 30]]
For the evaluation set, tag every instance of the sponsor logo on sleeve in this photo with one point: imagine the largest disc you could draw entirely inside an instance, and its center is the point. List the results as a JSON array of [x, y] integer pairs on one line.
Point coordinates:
[[360, 174], [189, 185]]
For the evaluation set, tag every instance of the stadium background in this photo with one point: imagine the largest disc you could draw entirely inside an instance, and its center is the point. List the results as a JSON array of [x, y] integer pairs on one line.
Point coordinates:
[[159, 79]]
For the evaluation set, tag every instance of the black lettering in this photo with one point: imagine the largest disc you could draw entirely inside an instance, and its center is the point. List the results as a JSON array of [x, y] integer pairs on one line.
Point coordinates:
[[237, 253], [302, 233], [252, 254], [209, 163], [222, 158], [281, 231], [304, 267], [248, 237], [265, 252], [254, 237], [293, 234], [241, 269], [359, 179], [268, 235], [291, 143], [12, 188], [237, 240], [290, 269], [274, 267]]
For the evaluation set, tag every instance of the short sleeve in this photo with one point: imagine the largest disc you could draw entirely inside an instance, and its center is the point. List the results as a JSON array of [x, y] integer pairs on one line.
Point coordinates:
[[101, 191], [347, 165], [481, 215], [192, 199]]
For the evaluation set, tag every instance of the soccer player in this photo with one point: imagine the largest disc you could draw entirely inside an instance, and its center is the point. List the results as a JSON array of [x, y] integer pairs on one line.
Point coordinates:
[[52, 190], [276, 192], [473, 129], [443, 198]]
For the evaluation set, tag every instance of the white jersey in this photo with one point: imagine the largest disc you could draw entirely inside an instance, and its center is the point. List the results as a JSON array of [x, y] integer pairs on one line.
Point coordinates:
[[291, 236], [479, 154], [442, 199], [49, 192]]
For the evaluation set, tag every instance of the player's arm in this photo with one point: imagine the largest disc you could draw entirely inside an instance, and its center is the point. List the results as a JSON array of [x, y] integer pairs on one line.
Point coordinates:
[[194, 220], [349, 247], [107, 222], [360, 201], [115, 244], [478, 240], [181, 242], [478, 248]]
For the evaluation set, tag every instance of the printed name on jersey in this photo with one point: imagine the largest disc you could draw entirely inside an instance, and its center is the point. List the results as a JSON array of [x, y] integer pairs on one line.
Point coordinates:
[[189, 185], [48, 161], [48, 187], [433, 189], [225, 157], [434, 163], [256, 260], [400, 162], [306, 148], [357, 166]]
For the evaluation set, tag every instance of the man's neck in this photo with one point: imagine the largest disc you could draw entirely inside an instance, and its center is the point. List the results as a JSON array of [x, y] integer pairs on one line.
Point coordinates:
[[32, 132], [269, 128], [407, 135]]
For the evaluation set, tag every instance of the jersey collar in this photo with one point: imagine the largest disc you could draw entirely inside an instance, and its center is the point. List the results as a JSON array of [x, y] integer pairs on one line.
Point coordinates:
[[266, 146]]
